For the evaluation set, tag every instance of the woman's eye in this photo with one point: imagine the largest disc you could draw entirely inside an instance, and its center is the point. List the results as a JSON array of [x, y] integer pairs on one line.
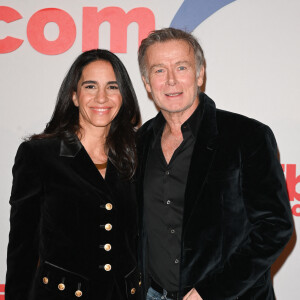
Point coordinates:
[[113, 87], [90, 86]]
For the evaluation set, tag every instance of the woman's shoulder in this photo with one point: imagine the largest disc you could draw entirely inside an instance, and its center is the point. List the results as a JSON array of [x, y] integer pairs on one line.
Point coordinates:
[[39, 145], [42, 142]]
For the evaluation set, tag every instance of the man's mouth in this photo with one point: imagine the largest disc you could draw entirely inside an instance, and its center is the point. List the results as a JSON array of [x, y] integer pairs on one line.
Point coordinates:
[[173, 94]]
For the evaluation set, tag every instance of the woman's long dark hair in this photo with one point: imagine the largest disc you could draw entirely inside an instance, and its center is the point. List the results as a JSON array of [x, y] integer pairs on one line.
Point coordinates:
[[120, 141]]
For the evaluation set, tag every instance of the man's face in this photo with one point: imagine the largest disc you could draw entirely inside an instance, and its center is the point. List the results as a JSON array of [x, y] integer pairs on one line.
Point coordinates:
[[172, 78]]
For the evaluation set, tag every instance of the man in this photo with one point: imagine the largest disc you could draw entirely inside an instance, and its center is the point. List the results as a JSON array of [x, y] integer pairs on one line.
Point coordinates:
[[214, 208]]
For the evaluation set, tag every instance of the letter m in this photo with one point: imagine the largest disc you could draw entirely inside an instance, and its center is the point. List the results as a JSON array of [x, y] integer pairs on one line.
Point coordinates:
[[119, 21]]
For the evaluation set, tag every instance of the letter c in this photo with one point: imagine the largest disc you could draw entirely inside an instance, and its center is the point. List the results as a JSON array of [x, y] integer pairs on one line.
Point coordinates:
[[9, 44]]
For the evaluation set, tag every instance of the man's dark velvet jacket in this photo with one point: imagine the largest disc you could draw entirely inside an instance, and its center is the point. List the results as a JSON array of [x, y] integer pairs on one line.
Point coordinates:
[[58, 218], [237, 217]]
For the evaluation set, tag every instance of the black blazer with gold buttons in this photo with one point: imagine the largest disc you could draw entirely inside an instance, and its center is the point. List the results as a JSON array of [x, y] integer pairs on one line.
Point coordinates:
[[237, 217], [73, 234]]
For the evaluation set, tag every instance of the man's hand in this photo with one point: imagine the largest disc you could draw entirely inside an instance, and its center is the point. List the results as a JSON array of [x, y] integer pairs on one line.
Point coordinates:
[[192, 295]]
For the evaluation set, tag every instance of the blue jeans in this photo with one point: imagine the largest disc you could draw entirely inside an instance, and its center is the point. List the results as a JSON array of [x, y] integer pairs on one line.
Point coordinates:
[[154, 295]]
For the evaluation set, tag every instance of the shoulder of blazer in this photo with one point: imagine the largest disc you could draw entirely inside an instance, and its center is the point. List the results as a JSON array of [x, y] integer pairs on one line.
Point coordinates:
[[42, 145], [55, 145], [237, 125]]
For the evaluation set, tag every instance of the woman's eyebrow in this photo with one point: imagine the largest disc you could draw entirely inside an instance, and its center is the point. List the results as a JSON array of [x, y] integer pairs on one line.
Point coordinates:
[[89, 82]]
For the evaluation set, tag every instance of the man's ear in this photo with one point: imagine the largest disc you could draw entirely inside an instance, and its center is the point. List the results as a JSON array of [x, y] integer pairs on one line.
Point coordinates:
[[200, 78], [75, 99], [147, 84]]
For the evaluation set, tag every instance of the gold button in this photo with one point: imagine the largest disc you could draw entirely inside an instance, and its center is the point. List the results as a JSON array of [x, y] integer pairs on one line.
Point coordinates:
[[107, 267], [132, 291], [61, 286], [108, 206], [140, 283], [108, 227], [78, 293], [107, 247], [45, 280]]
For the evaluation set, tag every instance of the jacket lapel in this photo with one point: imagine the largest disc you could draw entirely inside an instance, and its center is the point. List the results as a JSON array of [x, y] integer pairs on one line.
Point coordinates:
[[203, 154], [83, 165]]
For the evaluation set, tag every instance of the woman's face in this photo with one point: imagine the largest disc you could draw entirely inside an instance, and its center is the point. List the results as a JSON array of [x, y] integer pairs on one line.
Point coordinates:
[[98, 96]]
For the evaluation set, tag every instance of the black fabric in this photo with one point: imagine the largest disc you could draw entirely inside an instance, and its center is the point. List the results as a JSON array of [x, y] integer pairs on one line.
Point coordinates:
[[159, 289], [164, 187], [57, 226], [237, 216]]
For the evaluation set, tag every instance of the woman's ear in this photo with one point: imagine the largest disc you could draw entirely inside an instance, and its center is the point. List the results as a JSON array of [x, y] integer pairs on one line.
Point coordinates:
[[75, 99]]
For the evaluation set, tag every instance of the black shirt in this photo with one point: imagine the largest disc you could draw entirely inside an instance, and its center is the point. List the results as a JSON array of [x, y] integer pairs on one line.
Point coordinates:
[[164, 189]]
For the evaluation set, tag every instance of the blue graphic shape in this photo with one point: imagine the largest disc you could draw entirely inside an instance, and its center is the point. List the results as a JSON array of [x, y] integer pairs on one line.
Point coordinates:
[[193, 12]]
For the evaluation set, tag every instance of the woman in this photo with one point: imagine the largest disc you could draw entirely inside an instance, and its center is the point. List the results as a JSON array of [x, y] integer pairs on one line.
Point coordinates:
[[73, 214]]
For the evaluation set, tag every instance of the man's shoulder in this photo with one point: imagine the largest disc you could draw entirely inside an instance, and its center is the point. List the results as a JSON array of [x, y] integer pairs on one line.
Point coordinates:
[[231, 122], [244, 132]]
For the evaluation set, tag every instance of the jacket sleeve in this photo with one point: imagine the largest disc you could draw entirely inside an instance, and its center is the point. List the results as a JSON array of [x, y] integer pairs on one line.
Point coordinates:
[[269, 217], [22, 253]]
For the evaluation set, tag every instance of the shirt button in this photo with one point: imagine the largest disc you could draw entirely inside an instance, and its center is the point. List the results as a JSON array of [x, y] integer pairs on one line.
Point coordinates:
[[168, 201], [107, 267], [107, 247], [108, 227], [176, 261], [172, 230], [78, 293], [108, 206], [45, 280], [167, 173], [61, 286]]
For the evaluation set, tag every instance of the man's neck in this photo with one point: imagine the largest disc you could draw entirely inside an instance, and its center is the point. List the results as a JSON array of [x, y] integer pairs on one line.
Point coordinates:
[[174, 120]]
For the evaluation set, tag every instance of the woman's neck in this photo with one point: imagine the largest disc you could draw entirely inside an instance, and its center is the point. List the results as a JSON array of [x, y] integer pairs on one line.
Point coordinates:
[[94, 142]]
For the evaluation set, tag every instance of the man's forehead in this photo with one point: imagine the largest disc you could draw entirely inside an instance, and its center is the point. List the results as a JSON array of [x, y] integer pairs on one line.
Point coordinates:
[[159, 51], [165, 44]]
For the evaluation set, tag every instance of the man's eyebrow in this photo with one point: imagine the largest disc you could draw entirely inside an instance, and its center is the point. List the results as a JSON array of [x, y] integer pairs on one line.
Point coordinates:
[[183, 62], [156, 66], [177, 63], [112, 82]]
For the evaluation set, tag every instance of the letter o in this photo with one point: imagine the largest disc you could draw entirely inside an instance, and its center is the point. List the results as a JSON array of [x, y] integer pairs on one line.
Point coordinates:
[[35, 31], [296, 210]]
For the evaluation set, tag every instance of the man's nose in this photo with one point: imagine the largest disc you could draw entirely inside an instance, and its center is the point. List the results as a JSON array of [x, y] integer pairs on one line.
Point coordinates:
[[171, 78]]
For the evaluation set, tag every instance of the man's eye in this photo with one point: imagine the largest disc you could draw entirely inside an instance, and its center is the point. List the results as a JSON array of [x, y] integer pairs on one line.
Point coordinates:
[[180, 68], [159, 71]]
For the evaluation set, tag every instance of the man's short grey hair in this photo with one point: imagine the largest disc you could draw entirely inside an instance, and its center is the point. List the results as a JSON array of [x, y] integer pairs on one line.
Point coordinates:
[[169, 34]]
